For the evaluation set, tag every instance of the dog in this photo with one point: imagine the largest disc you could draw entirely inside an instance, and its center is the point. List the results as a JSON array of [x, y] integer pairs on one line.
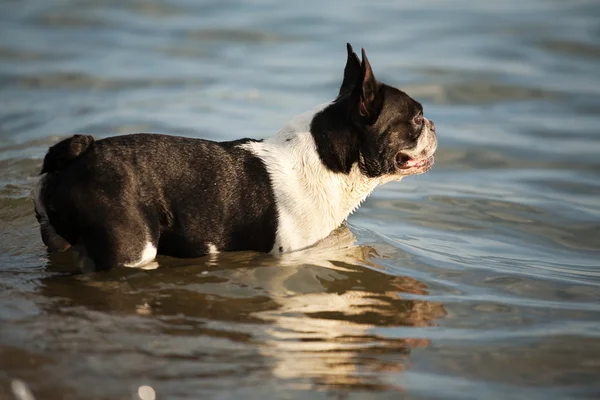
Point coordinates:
[[122, 200]]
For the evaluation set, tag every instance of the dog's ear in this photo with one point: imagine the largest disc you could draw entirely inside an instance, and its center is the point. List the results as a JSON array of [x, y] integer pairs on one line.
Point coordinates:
[[351, 72], [365, 96]]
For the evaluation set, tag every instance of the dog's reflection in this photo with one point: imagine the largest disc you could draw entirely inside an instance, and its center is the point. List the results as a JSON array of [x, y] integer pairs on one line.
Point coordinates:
[[339, 315], [328, 316]]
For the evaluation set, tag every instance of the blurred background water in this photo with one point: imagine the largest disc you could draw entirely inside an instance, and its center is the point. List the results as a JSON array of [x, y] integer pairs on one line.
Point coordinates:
[[480, 279]]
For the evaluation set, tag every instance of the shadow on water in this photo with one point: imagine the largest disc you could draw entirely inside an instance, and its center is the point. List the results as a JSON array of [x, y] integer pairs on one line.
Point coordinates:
[[307, 319]]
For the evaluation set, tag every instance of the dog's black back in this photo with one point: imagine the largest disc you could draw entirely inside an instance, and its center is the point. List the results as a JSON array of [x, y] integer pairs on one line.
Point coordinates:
[[159, 188]]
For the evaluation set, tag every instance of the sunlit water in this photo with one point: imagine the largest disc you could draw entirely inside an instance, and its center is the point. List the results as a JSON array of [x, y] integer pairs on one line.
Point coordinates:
[[479, 279]]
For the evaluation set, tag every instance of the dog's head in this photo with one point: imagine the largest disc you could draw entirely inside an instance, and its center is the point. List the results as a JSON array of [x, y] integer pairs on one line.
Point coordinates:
[[378, 126]]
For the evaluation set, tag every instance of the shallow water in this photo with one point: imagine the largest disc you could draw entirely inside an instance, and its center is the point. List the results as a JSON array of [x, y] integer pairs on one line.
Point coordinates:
[[480, 279]]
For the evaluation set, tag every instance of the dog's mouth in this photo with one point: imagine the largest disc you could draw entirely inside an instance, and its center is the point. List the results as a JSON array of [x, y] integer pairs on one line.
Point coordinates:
[[408, 165]]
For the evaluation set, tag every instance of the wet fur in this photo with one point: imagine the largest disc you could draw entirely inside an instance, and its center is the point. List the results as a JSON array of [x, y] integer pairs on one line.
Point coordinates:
[[122, 200]]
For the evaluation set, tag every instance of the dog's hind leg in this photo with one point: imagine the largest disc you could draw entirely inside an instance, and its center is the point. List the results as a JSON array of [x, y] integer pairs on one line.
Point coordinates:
[[127, 242], [51, 239]]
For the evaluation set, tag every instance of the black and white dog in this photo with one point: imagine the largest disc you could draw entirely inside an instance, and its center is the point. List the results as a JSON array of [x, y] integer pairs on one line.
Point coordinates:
[[121, 200]]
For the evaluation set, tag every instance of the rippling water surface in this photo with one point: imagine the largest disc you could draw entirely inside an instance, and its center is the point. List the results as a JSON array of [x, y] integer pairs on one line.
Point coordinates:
[[479, 279]]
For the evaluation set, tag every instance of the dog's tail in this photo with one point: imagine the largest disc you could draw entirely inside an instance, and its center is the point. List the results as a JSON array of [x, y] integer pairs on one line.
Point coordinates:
[[62, 154]]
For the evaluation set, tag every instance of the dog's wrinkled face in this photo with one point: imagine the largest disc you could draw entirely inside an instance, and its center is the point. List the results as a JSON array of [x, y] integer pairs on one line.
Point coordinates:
[[394, 136]]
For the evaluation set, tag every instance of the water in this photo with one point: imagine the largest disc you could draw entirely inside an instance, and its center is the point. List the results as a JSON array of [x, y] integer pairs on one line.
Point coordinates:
[[480, 279]]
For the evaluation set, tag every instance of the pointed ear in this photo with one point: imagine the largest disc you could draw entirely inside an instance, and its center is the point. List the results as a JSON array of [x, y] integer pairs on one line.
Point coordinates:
[[365, 95], [351, 72]]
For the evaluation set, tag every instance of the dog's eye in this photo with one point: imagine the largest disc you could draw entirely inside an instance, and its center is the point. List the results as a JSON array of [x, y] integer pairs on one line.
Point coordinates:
[[418, 120]]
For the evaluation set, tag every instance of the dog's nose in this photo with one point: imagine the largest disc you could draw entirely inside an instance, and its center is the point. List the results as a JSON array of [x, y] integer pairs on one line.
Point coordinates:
[[431, 125]]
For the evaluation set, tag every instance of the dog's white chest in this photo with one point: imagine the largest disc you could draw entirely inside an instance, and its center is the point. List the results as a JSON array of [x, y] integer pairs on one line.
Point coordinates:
[[311, 200]]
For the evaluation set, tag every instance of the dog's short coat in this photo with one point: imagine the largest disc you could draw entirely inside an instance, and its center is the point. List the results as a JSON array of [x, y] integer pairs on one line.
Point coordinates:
[[121, 200]]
